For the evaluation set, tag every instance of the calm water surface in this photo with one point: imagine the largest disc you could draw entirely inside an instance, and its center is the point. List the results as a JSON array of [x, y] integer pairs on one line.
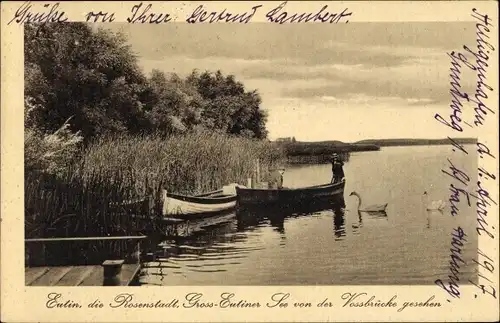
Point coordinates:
[[408, 246]]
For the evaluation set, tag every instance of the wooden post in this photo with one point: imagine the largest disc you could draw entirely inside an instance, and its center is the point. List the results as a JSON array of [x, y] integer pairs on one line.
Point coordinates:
[[112, 272], [36, 254], [150, 257], [137, 252], [249, 182], [258, 171], [151, 205]]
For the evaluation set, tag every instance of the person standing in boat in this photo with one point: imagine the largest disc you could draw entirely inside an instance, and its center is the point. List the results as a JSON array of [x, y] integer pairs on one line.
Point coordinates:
[[337, 169], [276, 178]]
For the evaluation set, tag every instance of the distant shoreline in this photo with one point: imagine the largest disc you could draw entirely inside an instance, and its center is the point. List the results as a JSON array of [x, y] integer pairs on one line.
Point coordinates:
[[320, 151], [415, 142]]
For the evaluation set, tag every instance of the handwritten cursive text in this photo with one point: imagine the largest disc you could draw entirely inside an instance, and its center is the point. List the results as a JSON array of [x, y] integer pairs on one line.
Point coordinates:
[[25, 14], [487, 263], [280, 16], [458, 237], [457, 95], [484, 48], [459, 175], [143, 15], [202, 15]]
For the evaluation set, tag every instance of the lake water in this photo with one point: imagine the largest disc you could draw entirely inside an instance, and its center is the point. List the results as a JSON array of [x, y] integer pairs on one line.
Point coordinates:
[[408, 246]]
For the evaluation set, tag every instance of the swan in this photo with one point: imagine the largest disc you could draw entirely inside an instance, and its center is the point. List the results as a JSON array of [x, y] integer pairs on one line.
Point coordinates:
[[435, 205], [369, 208]]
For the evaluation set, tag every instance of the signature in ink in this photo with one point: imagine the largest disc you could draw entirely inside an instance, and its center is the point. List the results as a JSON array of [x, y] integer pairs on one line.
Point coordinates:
[[202, 15], [452, 286], [279, 16], [25, 14]]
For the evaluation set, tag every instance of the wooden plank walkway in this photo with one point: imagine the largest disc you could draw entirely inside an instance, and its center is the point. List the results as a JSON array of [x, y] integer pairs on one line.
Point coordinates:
[[118, 273], [76, 275]]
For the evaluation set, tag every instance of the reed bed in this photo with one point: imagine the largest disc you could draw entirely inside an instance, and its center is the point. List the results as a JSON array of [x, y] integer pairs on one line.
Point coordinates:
[[187, 164], [92, 196]]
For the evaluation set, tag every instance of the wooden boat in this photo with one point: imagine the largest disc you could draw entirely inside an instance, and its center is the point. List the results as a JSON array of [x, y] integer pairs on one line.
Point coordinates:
[[207, 204], [288, 197]]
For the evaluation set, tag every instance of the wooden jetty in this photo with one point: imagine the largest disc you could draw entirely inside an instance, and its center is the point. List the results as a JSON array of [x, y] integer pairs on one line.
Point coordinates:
[[111, 272], [78, 275]]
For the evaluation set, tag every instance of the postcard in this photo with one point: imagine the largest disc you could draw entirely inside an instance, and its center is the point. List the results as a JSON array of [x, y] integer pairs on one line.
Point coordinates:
[[285, 161]]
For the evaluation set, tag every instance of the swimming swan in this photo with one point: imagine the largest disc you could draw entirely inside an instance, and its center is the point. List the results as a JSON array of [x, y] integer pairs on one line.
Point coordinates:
[[369, 208], [434, 205]]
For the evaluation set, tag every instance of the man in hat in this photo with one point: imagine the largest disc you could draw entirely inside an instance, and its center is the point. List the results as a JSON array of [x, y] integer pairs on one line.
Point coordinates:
[[276, 178], [337, 168]]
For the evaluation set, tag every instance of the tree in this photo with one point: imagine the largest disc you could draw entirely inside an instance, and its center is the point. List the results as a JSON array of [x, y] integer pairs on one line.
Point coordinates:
[[171, 104], [227, 106], [91, 76]]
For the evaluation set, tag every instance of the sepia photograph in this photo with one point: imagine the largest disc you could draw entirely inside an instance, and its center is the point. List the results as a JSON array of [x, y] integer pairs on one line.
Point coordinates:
[[221, 161], [194, 155]]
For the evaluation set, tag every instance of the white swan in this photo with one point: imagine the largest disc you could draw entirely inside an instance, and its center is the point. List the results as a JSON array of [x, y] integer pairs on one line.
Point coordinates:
[[369, 208], [434, 205]]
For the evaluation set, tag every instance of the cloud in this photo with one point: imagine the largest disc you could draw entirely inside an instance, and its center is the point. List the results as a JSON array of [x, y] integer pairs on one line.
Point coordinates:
[[377, 75], [353, 119], [357, 100], [421, 81], [406, 61], [312, 44]]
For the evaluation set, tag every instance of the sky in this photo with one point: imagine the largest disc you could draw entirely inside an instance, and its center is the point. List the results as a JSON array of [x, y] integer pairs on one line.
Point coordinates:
[[344, 82]]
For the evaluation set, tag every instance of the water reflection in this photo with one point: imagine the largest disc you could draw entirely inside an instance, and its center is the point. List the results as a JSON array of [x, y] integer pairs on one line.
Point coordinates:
[[247, 219], [376, 215], [357, 226], [278, 223], [217, 232], [248, 250], [219, 244], [338, 208], [339, 224], [430, 214]]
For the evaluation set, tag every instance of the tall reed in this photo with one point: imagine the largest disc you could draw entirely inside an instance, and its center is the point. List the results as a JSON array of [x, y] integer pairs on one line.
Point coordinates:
[[187, 164], [82, 198]]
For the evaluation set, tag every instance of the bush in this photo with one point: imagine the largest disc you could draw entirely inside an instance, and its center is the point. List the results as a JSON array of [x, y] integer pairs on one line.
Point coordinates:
[[51, 153]]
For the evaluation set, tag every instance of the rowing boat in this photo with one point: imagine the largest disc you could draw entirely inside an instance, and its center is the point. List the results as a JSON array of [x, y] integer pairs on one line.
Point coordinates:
[[288, 197], [207, 204]]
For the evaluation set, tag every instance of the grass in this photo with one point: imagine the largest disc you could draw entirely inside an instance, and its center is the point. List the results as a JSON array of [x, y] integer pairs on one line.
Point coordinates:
[[75, 198], [187, 164]]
